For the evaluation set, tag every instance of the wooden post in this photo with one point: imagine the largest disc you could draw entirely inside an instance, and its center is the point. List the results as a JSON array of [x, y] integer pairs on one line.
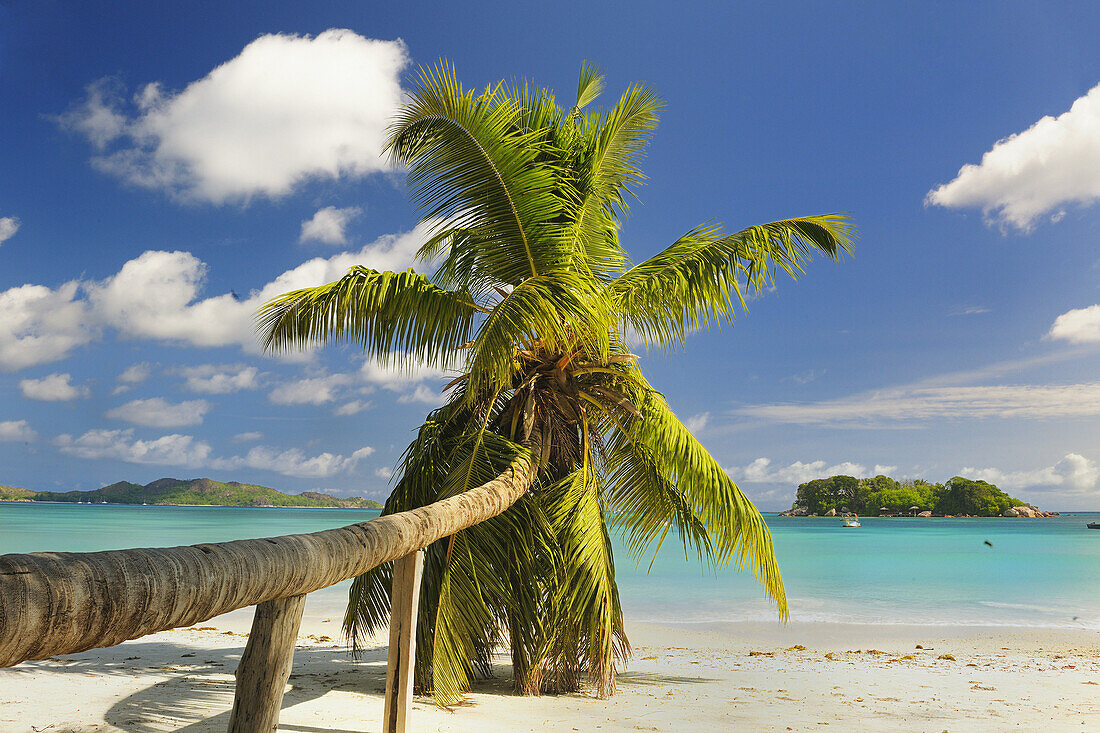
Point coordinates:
[[405, 600], [265, 666]]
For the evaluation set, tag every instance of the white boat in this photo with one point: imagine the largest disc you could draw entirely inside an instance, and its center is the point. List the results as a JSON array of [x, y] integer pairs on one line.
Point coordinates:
[[852, 521]]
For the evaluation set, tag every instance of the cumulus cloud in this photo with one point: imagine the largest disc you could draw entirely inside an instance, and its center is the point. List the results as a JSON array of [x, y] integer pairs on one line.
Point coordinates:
[[158, 296], [916, 403], [309, 391], [761, 471], [9, 225], [168, 450], [401, 373], [219, 378], [39, 325], [157, 412], [288, 108], [249, 437], [881, 470], [422, 394], [696, 423], [136, 373], [1074, 471], [1053, 163], [294, 462], [1078, 326], [53, 388], [328, 225], [16, 431], [354, 407]]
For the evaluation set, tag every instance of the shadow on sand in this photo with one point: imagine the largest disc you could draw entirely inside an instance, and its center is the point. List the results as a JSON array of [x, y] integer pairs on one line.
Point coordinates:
[[198, 693]]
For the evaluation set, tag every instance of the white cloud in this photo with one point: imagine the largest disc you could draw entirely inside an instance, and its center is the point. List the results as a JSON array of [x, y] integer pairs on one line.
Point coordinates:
[[170, 450], [881, 470], [384, 472], [328, 225], [353, 408], [971, 310], [249, 437], [1073, 471], [309, 391], [16, 431], [294, 462], [157, 412], [401, 373], [136, 373], [288, 108], [219, 378], [915, 403], [39, 325], [9, 225], [1078, 326], [157, 296], [1054, 162], [53, 388], [761, 471], [422, 394], [696, 423]]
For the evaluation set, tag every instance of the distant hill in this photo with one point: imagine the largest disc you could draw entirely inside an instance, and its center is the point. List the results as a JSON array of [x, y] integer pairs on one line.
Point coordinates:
[[199, 491]]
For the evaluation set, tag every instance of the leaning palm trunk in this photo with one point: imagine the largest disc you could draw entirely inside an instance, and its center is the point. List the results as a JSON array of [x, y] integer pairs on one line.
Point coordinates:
[[66, 602]]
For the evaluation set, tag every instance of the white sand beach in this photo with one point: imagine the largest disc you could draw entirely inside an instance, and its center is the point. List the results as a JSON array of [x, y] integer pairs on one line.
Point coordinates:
[[750, 677]]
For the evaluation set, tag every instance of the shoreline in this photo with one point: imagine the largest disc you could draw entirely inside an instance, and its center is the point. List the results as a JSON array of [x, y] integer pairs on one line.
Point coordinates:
[[731, 676]]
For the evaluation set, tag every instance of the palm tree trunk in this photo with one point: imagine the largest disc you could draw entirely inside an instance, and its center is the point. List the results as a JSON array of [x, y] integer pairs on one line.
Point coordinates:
[[60, 603]]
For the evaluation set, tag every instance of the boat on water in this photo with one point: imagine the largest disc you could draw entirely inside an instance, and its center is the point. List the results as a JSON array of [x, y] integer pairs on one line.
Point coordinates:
[[1093, 525], [851, 521]]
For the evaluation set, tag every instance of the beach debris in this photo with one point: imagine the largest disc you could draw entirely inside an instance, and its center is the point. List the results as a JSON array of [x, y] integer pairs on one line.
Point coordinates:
[[761, 654], [948, 657], [989, 543], [919, 646], [648, 658], [876, 652], [830, 656], [796, 648]]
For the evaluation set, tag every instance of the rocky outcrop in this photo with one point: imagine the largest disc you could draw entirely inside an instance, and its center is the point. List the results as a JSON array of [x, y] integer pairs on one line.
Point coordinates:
[[831, 513], [925, 513], [1028, 511]]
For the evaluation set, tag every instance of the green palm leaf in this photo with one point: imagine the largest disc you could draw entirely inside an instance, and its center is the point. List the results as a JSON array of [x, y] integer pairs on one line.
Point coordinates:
[[382, 312], [692, 284]]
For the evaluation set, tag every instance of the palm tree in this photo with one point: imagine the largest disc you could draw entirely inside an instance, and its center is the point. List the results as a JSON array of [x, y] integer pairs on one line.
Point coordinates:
[[534, 303]]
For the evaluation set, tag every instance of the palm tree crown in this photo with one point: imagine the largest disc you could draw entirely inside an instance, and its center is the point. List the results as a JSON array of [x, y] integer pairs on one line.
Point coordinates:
[[533, 302]]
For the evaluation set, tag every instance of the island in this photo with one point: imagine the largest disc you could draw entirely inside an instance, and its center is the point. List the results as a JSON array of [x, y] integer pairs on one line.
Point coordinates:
[[190, 492], [885, 496]]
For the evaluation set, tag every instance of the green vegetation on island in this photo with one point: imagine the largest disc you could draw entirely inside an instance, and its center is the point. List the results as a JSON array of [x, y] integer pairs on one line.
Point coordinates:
[[870, 496], [199, 491]]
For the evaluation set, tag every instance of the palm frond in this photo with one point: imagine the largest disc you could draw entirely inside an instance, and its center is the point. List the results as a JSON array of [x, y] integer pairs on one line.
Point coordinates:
[[589, 633], [645, 504], [472, 165], [693, 283], [560, 311], [383, 312], [736, 530], [589, 85]]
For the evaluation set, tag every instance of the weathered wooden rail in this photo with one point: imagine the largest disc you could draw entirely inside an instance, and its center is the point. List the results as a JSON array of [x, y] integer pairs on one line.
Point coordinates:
[[60, 603]]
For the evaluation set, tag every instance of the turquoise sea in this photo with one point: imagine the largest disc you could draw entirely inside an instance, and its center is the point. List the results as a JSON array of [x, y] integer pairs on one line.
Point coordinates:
[[1038, 573]]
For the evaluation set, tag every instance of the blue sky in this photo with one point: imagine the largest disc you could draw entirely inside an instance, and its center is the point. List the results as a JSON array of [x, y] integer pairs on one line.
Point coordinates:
[[164, 171]]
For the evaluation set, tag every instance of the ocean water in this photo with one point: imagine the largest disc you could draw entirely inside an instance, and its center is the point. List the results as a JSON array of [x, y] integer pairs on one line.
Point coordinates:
[[1038, 573]]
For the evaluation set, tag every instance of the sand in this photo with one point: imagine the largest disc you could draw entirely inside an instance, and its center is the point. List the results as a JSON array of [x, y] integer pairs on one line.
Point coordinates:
[[743, 677]]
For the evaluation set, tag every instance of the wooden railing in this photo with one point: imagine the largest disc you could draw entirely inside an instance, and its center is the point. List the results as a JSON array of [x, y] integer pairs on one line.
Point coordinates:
[[60, 603]]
